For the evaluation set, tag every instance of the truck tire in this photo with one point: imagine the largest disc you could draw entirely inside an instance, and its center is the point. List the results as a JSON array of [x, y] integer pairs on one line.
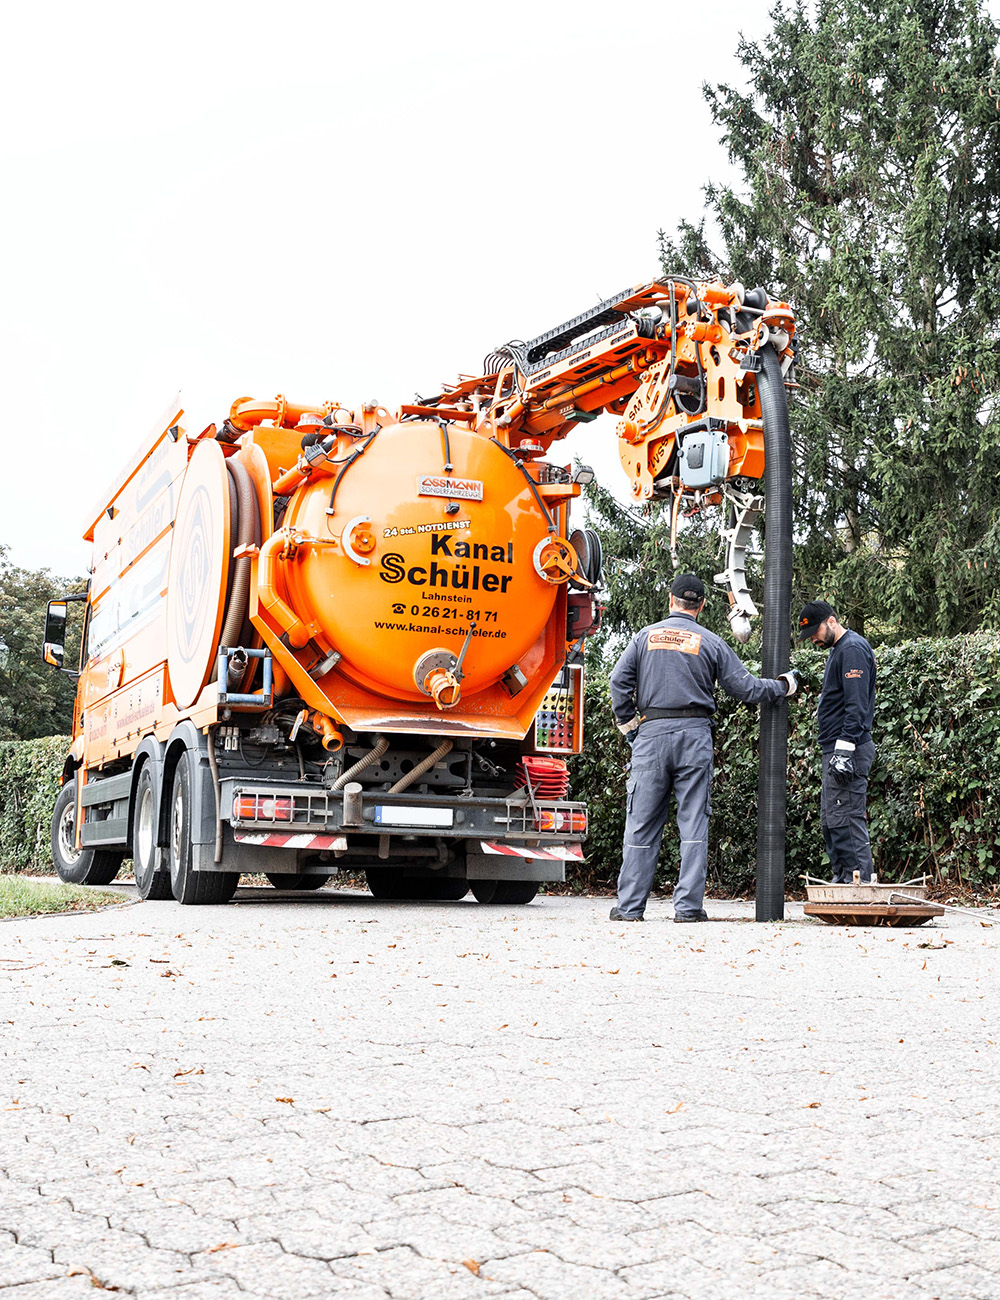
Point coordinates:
[[397, 885], [78, 866], [297, 882], [192, 888], [149, 861], [504, 891]]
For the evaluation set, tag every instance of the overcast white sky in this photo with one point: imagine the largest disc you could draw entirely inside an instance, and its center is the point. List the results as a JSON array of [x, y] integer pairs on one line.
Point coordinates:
[[329, 201]]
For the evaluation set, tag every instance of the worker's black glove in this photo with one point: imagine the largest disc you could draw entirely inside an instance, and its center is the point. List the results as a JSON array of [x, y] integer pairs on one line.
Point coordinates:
[[842, 763]]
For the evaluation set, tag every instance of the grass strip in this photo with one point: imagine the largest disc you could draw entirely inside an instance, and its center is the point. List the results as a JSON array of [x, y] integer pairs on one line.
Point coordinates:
[[25, 896]]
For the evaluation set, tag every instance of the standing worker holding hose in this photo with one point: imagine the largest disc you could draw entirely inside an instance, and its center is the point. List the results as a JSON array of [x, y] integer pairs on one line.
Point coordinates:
[[662, 694]]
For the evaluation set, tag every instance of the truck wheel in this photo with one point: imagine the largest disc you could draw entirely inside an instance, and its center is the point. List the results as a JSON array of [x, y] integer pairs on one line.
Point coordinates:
[[297, 882], [448, 890], [426, 889], [78, 866], [504, 891], [152, 872], [193, 888]]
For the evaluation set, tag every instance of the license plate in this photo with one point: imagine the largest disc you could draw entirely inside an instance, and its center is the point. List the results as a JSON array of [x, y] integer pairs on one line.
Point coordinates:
[[403, 816]]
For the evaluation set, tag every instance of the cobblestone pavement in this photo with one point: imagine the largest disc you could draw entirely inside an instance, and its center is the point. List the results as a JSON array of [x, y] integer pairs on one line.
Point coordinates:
[[330, 1096]]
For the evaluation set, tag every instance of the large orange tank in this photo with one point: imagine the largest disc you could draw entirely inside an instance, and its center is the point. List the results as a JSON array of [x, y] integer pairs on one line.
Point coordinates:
[[416, 579], [437, 556], [418, 563]]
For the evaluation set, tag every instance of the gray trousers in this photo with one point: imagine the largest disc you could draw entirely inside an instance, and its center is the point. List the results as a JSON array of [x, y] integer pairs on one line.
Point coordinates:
[[843, 813], [670, 755]]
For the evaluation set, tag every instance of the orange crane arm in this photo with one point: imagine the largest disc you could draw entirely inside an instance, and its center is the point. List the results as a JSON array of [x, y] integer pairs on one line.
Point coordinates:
[[676, 360]]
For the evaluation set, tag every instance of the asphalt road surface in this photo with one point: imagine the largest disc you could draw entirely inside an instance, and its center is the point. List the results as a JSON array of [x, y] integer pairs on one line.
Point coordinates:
[[324, 1095]]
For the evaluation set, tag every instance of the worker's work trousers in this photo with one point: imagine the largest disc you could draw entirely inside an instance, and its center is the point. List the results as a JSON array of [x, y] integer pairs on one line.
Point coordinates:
[[669, 755], [844, 819]]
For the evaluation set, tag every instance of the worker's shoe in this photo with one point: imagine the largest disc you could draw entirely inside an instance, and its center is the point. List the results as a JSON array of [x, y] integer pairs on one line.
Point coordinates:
[[615, 915], [680, 917]]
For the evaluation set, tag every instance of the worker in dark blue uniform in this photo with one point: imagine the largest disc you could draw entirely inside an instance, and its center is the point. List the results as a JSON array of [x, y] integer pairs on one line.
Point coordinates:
[[662, 694], [844, 718]]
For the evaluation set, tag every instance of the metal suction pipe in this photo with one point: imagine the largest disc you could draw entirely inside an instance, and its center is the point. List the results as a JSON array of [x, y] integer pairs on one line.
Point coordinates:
[[772, 786], [238, 663]]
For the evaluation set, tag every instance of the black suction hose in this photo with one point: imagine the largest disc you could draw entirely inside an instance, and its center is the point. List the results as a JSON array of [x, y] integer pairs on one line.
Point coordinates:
[[772, 786]]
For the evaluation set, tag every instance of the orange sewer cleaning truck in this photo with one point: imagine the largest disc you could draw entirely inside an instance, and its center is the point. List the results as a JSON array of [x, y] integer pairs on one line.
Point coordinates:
[[320, 638]]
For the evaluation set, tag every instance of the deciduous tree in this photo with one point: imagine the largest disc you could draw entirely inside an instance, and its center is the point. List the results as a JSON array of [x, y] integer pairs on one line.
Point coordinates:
[[35, 699]]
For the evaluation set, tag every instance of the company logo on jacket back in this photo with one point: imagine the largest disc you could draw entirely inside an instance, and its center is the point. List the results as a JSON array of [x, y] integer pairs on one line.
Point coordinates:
[[688, 643]]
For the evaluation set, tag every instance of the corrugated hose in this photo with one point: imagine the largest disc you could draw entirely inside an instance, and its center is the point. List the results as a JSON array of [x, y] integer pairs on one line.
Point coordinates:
[[772, 786]]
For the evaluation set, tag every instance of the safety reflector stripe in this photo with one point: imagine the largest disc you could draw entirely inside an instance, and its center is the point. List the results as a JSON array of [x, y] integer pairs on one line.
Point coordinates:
[[558, 852], [286, 840]]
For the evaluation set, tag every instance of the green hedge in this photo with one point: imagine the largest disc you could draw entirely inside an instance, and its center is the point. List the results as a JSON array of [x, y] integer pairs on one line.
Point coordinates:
[[934, 799], [29, 782]]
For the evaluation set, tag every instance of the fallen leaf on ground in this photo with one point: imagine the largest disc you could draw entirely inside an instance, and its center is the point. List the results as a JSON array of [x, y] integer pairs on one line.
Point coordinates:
[[223, 1245], [289, 1101], [94, 1281], [472, 1265]]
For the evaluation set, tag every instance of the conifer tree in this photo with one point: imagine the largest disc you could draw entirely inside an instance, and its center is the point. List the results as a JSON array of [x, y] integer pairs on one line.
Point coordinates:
[[868, 139]]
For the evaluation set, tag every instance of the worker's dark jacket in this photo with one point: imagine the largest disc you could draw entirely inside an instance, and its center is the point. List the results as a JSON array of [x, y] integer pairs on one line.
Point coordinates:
[[675, 665], [847, 705]]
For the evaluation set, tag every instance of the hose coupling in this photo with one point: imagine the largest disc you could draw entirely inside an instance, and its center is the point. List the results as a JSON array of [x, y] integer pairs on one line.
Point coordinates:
[[238, 661], [443, 687]]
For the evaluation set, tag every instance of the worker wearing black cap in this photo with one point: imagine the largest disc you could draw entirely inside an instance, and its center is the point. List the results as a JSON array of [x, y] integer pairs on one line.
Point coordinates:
[[662, 693], [844, 718]]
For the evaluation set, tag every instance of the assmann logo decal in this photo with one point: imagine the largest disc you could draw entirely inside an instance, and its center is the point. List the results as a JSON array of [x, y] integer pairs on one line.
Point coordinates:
[[460, 489]]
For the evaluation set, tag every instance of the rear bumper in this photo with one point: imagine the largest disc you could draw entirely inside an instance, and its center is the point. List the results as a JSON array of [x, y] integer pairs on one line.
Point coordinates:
[[499, 834]]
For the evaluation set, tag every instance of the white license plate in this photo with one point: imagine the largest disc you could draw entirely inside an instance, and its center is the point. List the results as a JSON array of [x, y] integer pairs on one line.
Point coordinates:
[[402, 816]]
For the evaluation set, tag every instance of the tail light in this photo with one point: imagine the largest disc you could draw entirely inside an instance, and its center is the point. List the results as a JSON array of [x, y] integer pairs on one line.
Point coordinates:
[[574, 823], [260, 807]]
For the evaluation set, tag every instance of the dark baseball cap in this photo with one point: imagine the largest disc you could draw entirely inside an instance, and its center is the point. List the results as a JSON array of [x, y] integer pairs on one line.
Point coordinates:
[[688, 586], [813, 613]]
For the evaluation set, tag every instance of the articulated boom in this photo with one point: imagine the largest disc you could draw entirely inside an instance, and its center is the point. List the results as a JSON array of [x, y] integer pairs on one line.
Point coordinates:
[[677, 360]]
